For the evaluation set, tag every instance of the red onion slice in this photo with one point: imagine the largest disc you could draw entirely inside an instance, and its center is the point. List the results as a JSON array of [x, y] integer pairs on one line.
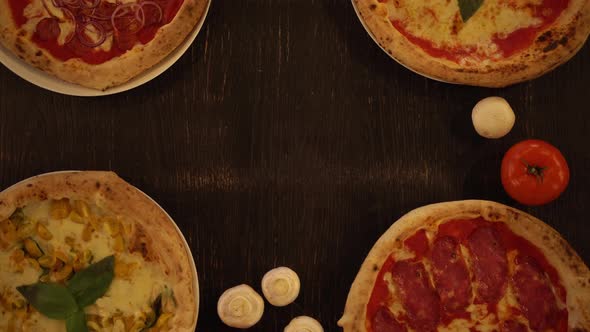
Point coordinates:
[[83, 38], [155, 4], [68, 13], [136, 10]]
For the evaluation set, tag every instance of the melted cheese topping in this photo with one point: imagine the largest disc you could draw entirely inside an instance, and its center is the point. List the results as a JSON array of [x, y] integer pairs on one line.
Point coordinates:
[[440, 22], [125, 305]]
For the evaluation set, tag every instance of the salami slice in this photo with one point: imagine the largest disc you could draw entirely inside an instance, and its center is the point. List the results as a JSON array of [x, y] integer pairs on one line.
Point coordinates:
[[451, 276], [383, 321], [418, 297], [534, 294], [48, 29], [490, 266]]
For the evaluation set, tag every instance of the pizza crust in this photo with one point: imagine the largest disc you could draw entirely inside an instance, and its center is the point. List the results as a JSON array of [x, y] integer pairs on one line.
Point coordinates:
[[105, 189], [115, 71], [574, 274], [555, 46]]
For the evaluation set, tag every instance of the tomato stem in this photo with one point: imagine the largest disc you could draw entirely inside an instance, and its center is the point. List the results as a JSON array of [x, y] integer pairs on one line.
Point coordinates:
[[534, 170]]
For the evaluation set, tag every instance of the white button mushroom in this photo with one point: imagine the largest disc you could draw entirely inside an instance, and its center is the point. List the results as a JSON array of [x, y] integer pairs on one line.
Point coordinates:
[[492, 117], [304, 324], [280, 286], [240, 307]]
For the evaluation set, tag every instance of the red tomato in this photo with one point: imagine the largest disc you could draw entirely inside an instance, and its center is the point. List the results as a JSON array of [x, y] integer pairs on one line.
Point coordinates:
[[534, 172]]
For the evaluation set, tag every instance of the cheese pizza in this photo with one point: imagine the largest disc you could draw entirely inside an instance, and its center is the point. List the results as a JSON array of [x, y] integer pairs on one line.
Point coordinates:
[[490, 43], [469, 266], [96, 43], [54, 226]]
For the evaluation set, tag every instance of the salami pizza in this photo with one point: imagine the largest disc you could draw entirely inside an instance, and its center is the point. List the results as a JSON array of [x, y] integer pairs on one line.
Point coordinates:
[[490, 43], [54, 226], [96, 43], [469, 266]]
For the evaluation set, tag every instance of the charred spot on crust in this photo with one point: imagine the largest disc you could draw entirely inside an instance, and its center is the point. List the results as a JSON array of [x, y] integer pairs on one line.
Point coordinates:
[[373, 6], [29, 185], [550, 47], [42, 195], [39, 53], [375, 268], [544, 37], [97, 185], [19, 48], [563, 41]]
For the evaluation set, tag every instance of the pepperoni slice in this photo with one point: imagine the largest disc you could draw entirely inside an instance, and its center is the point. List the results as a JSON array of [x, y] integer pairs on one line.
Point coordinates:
[[489, 264], [48, 29], [418, 297], [451, 276], [513, 326], [383, 321], [534, 294]]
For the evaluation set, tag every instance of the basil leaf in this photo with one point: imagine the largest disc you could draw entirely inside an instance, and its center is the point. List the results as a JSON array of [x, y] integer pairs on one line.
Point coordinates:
[[156, 308], [468, 8], [77, 322], [90, 284], [52, 300]]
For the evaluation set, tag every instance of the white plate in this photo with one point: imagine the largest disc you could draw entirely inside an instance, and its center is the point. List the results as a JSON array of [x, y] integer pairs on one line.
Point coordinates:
[[52, 83], [186, 246], [358, 14]]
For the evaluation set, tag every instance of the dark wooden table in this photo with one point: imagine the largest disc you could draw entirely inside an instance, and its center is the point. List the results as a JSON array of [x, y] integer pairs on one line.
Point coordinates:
[[285, 136]]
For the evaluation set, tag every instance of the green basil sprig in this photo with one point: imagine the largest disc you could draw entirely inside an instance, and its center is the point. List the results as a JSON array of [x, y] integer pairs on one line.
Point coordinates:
[[468, 8], [60, 302]]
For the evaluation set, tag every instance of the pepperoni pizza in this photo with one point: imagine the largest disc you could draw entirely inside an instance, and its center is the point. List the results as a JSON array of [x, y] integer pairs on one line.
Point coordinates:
[[469, 266], [476, 42], [96, 43]]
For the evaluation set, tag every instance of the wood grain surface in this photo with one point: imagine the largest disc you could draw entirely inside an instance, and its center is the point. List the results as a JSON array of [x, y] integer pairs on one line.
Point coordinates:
[[285, 136]]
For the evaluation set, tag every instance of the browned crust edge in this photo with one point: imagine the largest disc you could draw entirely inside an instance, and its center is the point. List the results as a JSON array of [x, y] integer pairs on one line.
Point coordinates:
[[572, 270], [110, 192], [553, 47], [115, 71]]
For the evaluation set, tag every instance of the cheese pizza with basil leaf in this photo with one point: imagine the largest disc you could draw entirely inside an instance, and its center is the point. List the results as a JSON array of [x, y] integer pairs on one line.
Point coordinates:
[[490, 43], [96, 43], [87, 249]]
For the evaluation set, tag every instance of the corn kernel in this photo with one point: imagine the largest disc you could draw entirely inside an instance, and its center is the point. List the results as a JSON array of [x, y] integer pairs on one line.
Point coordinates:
[[81, 208], [75, 217], [33, 248], [62, 274], [119, 244], [163, 319], [33, 262], [43, 232], [63, 256], [25, 230], [47, 261], [93, 326], [113, 226], [60, 209]]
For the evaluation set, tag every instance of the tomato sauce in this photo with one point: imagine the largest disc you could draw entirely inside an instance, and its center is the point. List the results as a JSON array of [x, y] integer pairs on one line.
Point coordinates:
[[508, 45], [18, 7], [461, 230], [74, 49]]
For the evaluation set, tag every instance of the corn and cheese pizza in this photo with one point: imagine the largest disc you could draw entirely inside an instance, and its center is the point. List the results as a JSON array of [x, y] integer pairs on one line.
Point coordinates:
[[469, 266], [490, 43], [96, 43], [54, 225]]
